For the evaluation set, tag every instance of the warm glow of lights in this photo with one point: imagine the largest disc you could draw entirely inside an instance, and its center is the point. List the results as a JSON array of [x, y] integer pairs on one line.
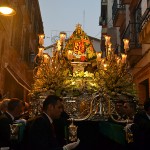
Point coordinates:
[[124, 56], [73, 82], [126, 44], [46, 58], [109, 47], [118, 60], [107, 39], [41, 49], [7, 11], [70, 56], [62, 36], [99, 55], [105, 66], [41, 39], [58, 45]]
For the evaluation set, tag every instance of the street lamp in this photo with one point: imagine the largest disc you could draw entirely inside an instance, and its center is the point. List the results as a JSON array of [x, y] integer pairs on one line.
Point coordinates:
[[6, 9]]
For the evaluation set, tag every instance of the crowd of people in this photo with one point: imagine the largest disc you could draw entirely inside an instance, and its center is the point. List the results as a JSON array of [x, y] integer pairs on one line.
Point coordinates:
[[48, 130], [140, 128], [137, 125], [39, 132]]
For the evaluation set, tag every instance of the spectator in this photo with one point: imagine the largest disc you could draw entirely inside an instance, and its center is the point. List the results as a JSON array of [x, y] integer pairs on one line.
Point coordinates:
[[61, 128], [14, 109], [119, 115], [40, 132], [141, 127], [3, 105], [130, 110]]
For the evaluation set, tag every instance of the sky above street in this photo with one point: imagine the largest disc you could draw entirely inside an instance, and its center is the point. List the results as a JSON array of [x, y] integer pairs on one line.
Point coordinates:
[[64, 15]]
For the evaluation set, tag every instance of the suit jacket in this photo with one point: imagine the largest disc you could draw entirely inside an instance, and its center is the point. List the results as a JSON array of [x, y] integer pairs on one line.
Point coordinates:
[[141, 129], [5, 121], [61, 128], [41, 134], [1, 112]]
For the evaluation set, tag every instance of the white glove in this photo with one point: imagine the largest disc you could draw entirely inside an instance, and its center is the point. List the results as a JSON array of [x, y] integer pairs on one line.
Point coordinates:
[[21, 121], [72, 145], [128, 127]]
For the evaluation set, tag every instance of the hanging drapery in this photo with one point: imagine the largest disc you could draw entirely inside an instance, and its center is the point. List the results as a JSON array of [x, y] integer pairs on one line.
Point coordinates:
[[17, 78]]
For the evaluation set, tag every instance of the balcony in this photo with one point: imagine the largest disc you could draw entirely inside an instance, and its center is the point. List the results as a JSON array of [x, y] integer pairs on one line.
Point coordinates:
[[144, 37], [118, 14], [135, 51]]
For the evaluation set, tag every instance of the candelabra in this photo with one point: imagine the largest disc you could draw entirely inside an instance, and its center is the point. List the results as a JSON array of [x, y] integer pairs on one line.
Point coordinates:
[[115, 80], [87, 95]]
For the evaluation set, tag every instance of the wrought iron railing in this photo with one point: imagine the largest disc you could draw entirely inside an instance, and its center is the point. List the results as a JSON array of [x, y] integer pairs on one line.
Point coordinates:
[[145, 18], [116, 7]]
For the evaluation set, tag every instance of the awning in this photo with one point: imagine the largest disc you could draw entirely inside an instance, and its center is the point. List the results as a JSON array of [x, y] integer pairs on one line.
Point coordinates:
[[17, 78]]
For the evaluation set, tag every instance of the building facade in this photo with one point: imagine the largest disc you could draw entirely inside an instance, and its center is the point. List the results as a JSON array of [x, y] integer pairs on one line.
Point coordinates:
[[18, 46], [130, 19]]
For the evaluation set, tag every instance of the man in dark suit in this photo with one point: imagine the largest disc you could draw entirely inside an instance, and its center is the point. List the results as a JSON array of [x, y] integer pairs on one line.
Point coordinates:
[[41, 133], [14, 109], [3, 105], [141, 127], [61, 128]]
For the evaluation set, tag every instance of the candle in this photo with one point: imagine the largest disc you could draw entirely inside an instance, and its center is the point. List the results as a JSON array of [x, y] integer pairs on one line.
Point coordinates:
[[118, 60], [58, 45], [41, 39], [99, 56], [126, 44], [109, 47], [46, 59], [41, 49], [70, 55], [107, 39], [105, 66], [124, 56]]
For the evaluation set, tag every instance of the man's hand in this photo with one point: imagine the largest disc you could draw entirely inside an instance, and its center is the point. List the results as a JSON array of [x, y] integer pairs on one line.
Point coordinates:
[[128, 127], [72, 145]]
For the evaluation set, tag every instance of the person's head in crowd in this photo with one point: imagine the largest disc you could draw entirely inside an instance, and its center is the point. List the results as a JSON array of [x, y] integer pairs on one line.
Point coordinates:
[[119, 107], [53, 106], [147, 106], [15, 107], [4, 104], [130, 109]]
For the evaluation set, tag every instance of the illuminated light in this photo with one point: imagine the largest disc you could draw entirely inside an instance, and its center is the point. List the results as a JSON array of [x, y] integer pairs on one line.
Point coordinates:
[[62, 36], [46, 59], [107, 39], [105, 66], [70, 56], [7, 11], [99, 55], [126, 44], [58, 45], [41, 39], [124, 56], [41, 49]]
